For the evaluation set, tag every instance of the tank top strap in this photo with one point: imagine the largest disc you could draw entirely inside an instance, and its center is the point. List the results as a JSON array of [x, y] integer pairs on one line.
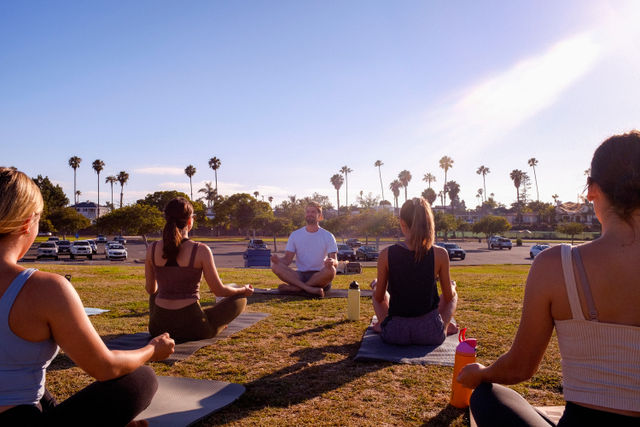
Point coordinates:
[[193, 254], [570, 282], [9, 296], [584, 284], [153, 253]]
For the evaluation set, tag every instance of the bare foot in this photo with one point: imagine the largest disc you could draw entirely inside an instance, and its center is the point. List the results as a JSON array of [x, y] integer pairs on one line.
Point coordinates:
[[452, 329], [377, 328]]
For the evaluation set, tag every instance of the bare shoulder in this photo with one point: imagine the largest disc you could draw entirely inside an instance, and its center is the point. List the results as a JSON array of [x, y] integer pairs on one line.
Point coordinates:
[[48, 289], [546, 270], [440, 252]]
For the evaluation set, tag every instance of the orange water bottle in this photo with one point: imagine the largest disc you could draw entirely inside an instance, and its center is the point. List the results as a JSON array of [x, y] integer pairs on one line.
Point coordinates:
[[465, 354]]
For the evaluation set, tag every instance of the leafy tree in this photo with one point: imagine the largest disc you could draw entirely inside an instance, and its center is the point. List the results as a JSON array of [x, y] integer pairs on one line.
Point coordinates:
[[214, 163], [336, 181], [429, 195], [123, 177], [278, 227], [491, 225], [444, 223], [404, 177], [533, 162], [68, 221], [379, 164], [74, 162], [429, 178], [570, 228], [159, 199], [346, 170], [139, 219], [446, 163], [318, 198], [98, 166], [368, 201], [371, 223], [483, 170], [53, 195], [190, 171], [111, 180]]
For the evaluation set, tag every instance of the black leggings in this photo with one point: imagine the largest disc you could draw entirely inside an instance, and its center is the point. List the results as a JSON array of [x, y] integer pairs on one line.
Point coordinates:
[[103, 403], [496, 405]]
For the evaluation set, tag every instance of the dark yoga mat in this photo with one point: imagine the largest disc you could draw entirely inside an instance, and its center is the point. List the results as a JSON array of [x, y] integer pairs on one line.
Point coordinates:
[[333, 293], [184, 401], [186, 349], [373, 348]]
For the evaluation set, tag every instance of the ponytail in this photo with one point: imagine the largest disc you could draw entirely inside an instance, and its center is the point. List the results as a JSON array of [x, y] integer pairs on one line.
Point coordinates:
[[177, 214], [416, 213]]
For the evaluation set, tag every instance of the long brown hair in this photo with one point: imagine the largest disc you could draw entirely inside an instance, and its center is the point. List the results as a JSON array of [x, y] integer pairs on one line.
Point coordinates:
[[615, 167], [416, 213], [177, 213]]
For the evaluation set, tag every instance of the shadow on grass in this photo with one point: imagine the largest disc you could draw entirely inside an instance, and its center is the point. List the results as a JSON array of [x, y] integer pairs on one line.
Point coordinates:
[[446, 416], [297, 383], [319, 328]]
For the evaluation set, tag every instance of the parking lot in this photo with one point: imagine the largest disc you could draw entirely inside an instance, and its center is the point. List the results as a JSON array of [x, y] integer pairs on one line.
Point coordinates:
[[229, 254]]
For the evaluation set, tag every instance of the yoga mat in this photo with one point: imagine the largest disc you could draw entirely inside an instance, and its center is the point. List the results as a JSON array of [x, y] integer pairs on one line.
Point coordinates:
[[94, 311], [186, 349], [553, 413], [183, 401], [333, 293], [373, 348]]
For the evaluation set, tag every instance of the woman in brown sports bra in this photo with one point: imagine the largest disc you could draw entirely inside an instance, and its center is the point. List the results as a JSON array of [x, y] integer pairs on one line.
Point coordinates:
[[173, 271]]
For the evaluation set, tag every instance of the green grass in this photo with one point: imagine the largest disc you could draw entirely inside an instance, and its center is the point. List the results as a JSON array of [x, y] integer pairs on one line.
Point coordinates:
[[297, 364]]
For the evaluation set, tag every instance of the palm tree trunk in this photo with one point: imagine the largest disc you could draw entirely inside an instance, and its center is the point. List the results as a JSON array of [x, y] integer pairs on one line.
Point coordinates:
[[121, 193], [381, 186], [75, 195], [346, 191], [216, 174], [191, 187], [98, 211], [484, 184], [112, 195], [536, 178], [405, 193], [338, 198], [444, 187]]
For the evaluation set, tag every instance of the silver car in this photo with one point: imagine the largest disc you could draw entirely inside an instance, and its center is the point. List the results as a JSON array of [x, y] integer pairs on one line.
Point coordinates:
[[48, 250], [81, 248]]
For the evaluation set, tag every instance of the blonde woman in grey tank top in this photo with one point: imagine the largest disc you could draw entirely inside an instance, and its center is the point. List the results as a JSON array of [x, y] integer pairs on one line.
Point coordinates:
[[591, 294]]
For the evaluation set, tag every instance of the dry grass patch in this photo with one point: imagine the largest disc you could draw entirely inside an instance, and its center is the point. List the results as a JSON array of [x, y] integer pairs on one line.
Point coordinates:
[[297, 364]]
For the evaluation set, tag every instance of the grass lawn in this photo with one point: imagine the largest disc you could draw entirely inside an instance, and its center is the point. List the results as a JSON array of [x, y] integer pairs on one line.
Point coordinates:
[[297, 363]]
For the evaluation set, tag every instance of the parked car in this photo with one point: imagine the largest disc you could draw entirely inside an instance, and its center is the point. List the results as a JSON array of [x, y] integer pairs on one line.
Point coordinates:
[[109, 244], [116, 251], [120, 240], [64, 247], [54, 239], [44, 233], [346, 253], [453, 250], [354, 243], [498, 242], [536, 249], [366, 253], [48, 250], [81, 248], [101, 239], [256, 244], [94, 246]]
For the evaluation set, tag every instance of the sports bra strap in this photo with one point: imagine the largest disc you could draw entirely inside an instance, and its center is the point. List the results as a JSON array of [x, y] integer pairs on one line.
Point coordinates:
[[570, 283], [584, 283], [193, 254]]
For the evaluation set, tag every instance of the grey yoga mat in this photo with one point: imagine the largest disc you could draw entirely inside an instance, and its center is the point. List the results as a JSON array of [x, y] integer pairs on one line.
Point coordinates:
[[373, 348], [90, 311], [333, 293], [183, 401], [186, 349]]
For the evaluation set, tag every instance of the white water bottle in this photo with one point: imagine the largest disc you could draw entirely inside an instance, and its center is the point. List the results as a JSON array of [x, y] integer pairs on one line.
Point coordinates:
[[353, 301]]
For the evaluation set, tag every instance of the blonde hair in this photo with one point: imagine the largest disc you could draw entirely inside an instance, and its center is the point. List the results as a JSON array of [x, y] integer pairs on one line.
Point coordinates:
[[416, 213], [20, 198]]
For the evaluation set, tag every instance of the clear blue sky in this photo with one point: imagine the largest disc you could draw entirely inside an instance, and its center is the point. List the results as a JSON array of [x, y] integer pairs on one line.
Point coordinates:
[[287, 92]]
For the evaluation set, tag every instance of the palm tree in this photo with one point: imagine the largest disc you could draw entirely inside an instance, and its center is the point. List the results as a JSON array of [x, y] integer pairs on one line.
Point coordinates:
[[479, 195], [209, 193], [405, 177], [395, 189], [111, 180], [555, 198], [483, 170], [337, 180], [429, 178], [270, 199], [214, 163], [98, 165], [122, 177], [74, 162], [190, 171], [378, 164], [533, 162], [516, 176], [346, 170], [446, 163], [256, 194], [78, 193]]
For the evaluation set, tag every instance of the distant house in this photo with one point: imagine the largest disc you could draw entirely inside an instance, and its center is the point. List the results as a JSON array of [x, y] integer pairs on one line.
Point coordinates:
[[576, 212], [90, 210], [526, 218]]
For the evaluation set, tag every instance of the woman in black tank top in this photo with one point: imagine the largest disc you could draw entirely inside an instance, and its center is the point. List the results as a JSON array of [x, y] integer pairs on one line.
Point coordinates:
[[405, 299]]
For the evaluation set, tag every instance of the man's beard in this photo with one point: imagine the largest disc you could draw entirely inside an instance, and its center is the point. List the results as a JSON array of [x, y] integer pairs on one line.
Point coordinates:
[[311, 220]]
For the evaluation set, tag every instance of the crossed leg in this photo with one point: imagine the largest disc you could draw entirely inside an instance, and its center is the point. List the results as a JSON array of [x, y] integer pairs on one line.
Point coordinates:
[[293, 283]]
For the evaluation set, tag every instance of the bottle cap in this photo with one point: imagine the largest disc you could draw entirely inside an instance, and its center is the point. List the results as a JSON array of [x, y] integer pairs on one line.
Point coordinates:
[[354, 285], [467, 345]]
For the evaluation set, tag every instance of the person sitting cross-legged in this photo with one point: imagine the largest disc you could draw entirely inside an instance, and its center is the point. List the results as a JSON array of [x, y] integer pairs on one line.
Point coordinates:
[[314, 249]]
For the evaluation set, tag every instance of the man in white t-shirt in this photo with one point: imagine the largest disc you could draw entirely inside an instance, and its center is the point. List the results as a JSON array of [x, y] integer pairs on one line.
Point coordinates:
[[314, 249]]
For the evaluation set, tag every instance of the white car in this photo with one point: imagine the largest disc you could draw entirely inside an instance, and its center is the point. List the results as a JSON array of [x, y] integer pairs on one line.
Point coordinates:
[[536, 249], [48, 249], [116, 251], [81, 248]]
